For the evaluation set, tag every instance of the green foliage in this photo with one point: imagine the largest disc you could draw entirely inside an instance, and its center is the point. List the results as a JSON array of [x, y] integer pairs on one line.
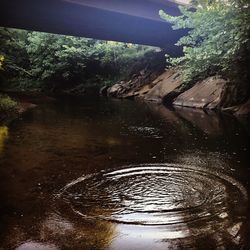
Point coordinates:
[[57, 61], [1, 69], [126, 58], [217, 41], [13, 50], [6, 103], [1, 62]]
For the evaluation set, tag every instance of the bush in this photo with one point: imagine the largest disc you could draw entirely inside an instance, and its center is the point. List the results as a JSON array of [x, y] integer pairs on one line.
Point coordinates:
[[218, 40], [6, 103], [49, 61], [1, 61]]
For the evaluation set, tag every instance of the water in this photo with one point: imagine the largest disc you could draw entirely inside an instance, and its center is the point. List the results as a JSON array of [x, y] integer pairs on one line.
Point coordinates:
[[113, 174]]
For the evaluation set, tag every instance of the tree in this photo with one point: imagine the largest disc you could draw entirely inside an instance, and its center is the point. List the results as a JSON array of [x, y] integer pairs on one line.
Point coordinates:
[[217, 41], [56, 60], [1, 62], [13, 50]]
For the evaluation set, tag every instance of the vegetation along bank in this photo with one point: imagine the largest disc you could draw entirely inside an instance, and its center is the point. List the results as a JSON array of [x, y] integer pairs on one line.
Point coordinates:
[[212, 73]]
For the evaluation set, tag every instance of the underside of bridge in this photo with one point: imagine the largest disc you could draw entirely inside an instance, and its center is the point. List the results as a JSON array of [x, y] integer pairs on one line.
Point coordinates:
[[135, 21]]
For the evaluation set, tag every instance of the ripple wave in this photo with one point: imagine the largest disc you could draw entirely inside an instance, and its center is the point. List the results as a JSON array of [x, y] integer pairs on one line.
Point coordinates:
[[156, 194]]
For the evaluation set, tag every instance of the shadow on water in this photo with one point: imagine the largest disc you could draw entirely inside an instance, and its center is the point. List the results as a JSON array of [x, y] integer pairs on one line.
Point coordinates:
[[112, 174]]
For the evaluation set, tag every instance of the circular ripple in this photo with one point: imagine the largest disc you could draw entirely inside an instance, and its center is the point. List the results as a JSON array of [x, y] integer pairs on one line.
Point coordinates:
[[156, 194]]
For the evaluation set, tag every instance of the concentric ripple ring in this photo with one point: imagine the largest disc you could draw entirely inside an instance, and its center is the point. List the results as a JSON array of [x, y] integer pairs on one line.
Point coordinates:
[[155, 194]]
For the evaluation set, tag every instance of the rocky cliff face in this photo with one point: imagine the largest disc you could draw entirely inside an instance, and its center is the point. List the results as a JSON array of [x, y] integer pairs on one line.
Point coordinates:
[[133, 87], [207, 94], [167, 86], [153, 87], [213, 93]]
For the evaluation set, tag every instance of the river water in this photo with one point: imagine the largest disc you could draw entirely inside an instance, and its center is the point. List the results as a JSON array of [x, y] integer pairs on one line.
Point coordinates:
[[119, 174]]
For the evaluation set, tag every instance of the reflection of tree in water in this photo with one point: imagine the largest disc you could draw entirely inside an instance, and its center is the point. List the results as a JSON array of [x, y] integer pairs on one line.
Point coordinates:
[[187, 203], [224, 226], [77, 233], [162, 237], [212, 235], [3, 136], [57, 232]]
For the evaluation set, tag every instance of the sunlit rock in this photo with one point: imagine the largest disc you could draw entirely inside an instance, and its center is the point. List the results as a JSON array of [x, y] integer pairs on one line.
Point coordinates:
[[208, 94], [167, 86], [235, 229]]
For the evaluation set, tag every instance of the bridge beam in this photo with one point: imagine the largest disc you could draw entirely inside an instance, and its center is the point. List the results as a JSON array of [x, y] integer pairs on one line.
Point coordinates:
[[134, 21]]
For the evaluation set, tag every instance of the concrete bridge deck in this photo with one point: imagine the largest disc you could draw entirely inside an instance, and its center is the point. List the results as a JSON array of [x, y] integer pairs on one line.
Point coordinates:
[[135, 21]]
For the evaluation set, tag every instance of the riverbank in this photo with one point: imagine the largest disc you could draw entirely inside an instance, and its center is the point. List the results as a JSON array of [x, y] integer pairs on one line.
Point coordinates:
[[12, 114], [16, 103], [212, 93]]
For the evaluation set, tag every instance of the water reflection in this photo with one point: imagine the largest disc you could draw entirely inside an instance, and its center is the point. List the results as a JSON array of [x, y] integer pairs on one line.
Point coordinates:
[[76, 234], [154, 194], [36, 245], [58, 232], [178, 202], [209, 122], [4, 132], [157, 206]]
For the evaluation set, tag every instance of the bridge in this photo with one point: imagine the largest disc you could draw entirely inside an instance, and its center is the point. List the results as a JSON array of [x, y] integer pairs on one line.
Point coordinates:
[[134, 21]]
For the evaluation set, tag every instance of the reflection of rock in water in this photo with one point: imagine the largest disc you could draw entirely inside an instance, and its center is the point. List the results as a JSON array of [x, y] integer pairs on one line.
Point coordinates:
[[168, 115], [209, 122], [177, 201], [56, 232], [36, 245]]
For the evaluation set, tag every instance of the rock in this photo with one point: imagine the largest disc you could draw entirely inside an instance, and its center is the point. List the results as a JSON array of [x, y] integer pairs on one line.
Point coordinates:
[[235, 229], [142, 85], [244, 109], [166, 87], [103, 90], [22, 107], [132, 88], [139, 93], [206, 94], [114, 90]]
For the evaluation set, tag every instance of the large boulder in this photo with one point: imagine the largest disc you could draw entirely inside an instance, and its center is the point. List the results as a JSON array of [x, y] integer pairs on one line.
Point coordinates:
[[115, 90], [132, 88], [166, 87], [139, 92], [207, 94]]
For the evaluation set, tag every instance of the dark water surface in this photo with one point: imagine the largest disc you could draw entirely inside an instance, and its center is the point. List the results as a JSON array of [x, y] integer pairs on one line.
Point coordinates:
[[112, 174]]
